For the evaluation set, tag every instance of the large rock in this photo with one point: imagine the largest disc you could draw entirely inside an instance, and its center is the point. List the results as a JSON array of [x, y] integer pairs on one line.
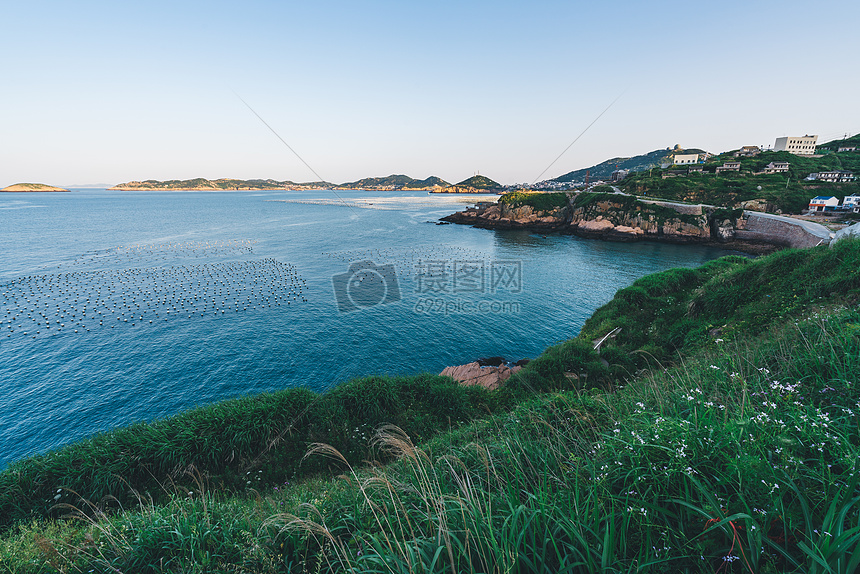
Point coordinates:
[[474, 374], [845, 232]]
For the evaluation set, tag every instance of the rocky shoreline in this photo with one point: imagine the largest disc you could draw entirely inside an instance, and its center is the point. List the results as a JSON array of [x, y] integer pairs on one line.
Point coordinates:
[[622, 218]]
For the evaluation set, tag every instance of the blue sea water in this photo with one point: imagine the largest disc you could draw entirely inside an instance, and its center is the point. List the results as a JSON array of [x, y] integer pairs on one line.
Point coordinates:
[[117, 307]]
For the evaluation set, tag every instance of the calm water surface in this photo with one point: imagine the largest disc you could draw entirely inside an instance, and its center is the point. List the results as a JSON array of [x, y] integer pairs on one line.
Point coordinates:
[[138, 305]]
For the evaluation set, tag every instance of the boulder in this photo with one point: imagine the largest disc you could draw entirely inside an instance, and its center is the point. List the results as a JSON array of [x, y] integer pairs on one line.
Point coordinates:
[[474, 374]]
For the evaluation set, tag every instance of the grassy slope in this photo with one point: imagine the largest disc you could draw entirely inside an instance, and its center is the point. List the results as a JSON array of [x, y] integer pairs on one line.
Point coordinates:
[[479, 182], [788, 192], [539, 201], [738, 451]]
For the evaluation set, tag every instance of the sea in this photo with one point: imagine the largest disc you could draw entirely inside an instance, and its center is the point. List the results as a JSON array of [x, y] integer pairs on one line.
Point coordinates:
[[119, 307]]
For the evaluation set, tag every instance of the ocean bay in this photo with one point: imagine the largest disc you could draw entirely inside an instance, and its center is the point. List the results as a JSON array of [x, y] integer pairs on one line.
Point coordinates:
[[264, 262]]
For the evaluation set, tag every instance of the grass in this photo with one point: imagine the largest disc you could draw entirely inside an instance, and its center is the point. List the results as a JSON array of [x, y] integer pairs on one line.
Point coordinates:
[[736, 451], [237, 444], [538, 200]]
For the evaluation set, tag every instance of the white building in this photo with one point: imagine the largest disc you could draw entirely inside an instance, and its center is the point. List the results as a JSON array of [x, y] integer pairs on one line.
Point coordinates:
[[686, 158], [797, 145], [776, 167], [852, 202], [823, 203], [835, 176]]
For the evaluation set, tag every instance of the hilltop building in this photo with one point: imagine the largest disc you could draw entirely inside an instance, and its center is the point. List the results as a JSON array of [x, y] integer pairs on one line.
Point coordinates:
[[797, 145]]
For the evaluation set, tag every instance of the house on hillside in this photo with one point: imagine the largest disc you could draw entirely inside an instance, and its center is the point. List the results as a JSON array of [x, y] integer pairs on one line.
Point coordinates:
[[776, 167], [685, 158], [618, 175], [823, 203], [852, 148], [748, 151], [852, 202], [797, 145], [835, 176], [729, 166], [695, 169]]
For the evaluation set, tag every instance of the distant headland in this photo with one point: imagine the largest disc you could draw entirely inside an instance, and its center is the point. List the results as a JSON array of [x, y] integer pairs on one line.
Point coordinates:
[[32, 187], [389, 183], [475, 184], [201, 184]]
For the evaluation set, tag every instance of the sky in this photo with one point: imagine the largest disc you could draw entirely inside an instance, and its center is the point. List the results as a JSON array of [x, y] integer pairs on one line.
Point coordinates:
[[109, 92]]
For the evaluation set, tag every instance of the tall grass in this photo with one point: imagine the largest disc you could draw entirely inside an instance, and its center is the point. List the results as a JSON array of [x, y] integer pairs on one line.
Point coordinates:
[[237, 444]]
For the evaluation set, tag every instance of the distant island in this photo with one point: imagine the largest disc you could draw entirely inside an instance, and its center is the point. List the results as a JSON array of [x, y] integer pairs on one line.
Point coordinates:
[[395, 182], [475, 184], [32, 187], [389, 183], [201, 184]]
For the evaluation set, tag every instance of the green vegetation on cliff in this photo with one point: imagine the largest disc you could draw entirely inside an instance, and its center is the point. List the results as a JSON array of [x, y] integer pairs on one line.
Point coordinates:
[[715, 429], [538, 200], [616, 208]]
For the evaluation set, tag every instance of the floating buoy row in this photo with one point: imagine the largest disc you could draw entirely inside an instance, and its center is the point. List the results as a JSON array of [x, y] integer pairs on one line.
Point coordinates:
[[83, 300]]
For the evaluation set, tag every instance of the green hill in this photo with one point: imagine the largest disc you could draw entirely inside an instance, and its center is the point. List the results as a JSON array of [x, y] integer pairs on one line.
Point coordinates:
[[479, 182], [394, 181], [431, 181], [703, 417]]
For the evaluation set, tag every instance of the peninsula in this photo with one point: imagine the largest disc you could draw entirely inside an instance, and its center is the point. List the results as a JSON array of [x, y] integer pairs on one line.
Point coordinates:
[[32, 187], [475, 184]]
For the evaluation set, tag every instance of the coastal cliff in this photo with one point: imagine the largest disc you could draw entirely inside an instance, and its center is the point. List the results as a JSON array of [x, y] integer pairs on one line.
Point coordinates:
[[619, 217]]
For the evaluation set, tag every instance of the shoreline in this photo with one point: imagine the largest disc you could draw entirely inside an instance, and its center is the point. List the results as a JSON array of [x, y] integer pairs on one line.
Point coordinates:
[[607, 219]]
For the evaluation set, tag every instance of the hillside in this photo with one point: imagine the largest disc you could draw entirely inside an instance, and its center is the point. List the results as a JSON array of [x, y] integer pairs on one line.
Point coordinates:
[[787, 192], [394, 182], [834, 145], [703, 420], [479, 182], [636, 163], [32, 187], [201, 184]]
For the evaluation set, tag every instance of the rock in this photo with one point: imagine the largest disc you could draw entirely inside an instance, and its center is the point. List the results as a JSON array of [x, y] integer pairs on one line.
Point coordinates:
[[473, 373], [845, 232], [492, 361]]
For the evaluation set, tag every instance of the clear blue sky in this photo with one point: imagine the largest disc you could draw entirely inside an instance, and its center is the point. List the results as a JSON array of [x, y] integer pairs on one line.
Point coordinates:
[[114, 91]]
